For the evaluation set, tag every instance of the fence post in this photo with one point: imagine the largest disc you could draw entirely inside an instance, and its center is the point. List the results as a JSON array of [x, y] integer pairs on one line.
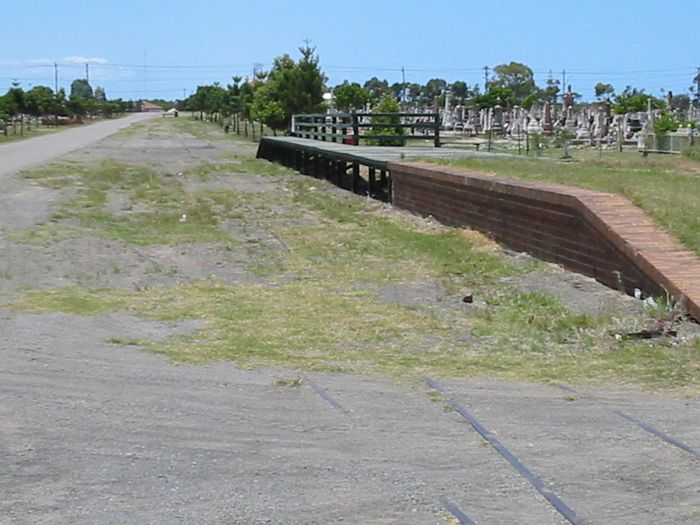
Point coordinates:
[[437, 130], [355, 130]]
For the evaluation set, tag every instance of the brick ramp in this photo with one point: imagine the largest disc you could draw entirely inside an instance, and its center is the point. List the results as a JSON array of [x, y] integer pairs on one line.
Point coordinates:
[[599, 234]]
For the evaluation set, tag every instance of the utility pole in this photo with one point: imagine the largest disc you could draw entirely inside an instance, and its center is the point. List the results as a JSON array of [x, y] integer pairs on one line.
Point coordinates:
[[87, 72], [145, 74], [563, 82], [697, 87], [403, 85], [55, 84], [486, 78]]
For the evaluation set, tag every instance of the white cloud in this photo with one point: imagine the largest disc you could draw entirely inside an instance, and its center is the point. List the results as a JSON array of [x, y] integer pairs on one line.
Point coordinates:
[[77, 59], [25, 63]]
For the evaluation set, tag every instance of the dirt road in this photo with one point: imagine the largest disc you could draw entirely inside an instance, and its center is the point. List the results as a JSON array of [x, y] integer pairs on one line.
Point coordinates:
[[19, 155], [97, 432]]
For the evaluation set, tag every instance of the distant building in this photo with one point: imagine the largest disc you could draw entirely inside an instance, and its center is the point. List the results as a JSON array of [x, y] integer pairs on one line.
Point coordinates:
[[145, 105]]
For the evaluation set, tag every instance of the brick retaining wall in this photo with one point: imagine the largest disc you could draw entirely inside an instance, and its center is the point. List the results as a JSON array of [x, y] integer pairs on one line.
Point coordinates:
[[594, 233]]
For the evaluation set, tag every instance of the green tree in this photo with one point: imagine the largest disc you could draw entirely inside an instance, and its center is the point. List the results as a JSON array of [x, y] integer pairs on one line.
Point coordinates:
[[433, 89], [348, 96], [635, 100], [603, 90], [680, 102], [40, 101], [267, 108], [517, 77], [413, 92], [496, 95], [7, 106], [100, 94], [245, 98], [208, 99], [80, 106], [80, 88], [311, 83], [460, 91], [396, 90], [231, 101], [378, 89], [61, 103], [550, 92], [291, 87]]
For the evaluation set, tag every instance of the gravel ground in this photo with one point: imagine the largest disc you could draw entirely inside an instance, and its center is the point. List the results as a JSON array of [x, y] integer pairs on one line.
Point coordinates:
[[92, 432]]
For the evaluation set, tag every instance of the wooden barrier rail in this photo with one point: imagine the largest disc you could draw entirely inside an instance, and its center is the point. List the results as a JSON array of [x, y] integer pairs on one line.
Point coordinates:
[[336, 127]]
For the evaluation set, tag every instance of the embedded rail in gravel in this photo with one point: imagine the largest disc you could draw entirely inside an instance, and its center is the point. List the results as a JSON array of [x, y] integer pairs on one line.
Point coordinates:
[[458, 513], [646, 427], [524, 471], [325, 395], [451, 507]]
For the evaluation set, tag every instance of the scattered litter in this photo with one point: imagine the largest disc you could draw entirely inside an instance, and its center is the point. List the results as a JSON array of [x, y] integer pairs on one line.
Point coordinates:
[[650, 303], [637, 293], [183, 218], [468, 298]]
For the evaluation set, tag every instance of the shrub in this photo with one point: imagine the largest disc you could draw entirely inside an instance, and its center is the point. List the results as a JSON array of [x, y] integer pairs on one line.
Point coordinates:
[[665, 123], [394, 135]]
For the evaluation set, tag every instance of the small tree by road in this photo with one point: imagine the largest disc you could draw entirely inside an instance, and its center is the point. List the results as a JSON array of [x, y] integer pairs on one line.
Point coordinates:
[[291, 87]]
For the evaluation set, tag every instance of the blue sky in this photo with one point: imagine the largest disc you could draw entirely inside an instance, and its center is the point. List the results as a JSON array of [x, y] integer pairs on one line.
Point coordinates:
[[162, 49]]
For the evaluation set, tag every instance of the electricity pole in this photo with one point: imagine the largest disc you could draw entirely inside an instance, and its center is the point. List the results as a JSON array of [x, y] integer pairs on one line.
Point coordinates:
[[87, 72], [563, 85], [486, 78], [403, 86], [55, 83]]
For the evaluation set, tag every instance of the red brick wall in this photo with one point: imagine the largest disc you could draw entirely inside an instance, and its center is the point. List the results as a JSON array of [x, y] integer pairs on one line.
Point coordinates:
[[583, 230]]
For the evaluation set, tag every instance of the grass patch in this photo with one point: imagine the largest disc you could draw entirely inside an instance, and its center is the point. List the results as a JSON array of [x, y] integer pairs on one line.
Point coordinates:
[[76, 300], [319, 305], [160, 211], [352, 244], [239, 164], [535, 319], [41, 234], [313, 328], [668, 191], [692, 153], [123, 341], [289, 382]]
